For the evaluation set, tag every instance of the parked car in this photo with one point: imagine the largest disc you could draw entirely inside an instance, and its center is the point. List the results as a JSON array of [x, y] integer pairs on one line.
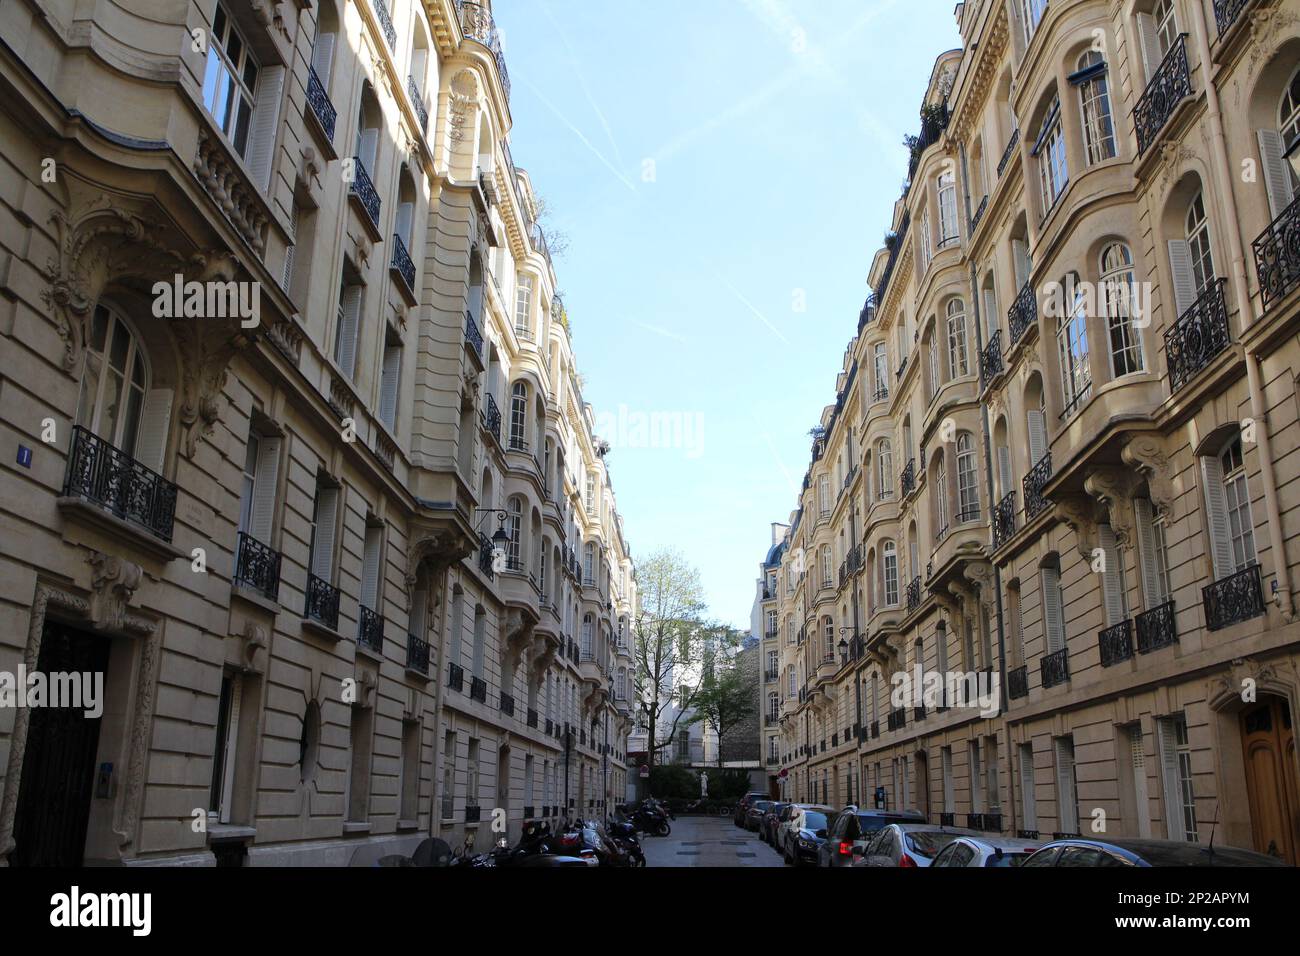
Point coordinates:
[[854, 827], [754, 815], [988, 850], [767, 825], [908, 844], [803, 833], [1138, 852], [742, 808]]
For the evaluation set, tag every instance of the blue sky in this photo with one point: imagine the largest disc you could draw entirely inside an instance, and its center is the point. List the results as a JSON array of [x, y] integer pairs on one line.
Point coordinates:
[[775, 130]]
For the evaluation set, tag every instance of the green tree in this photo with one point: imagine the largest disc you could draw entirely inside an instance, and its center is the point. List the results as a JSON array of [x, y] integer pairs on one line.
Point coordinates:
[[725, 698]]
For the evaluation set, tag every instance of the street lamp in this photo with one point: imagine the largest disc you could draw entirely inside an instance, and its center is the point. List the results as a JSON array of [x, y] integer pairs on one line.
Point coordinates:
[[501, 539]]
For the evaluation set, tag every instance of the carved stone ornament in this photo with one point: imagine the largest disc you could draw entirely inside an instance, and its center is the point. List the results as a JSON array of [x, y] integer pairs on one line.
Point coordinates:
[[1145, 453], [113, 581], [442, 548], [980, 574], [1264, 25], [1079, 512], [459, 106], [1114, 488], [1247, 678], [254, 641]]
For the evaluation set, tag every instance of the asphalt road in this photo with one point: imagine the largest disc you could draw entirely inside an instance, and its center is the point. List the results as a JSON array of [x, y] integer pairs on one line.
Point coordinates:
[[708, 841]]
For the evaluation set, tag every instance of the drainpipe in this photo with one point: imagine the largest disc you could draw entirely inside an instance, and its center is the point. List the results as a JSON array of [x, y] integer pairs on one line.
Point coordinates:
[[1249, 315], [857, 685]]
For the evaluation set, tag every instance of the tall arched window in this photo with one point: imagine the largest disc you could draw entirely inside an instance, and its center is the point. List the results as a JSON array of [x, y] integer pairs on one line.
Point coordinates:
[[1281, 178], [114, 386], [586, 637], [932, 354], [968, 498], [958, 361], [827, 578], [1094, 103], [1053, 169], [588, 563], [948, 232], [940, 496], [1119, 291], [518, 416], [514, 524], [1198, 244], [828, 639], [1072, 345], [885, 467], [1166, 25], [889, 568], [880, 359]]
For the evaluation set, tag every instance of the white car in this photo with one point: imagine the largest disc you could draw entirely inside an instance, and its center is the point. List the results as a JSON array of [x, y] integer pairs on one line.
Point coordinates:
[[991, 850]]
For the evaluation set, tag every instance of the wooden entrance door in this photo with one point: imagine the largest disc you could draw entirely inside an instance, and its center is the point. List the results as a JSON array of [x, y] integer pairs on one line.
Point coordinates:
[[1268, 743]]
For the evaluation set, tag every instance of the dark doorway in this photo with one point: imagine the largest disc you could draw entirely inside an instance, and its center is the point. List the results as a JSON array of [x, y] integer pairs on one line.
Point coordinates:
[[58, 772]]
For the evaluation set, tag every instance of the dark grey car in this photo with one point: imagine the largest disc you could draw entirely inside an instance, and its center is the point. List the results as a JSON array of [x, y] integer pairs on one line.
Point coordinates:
[[852, 827], [909, 844]]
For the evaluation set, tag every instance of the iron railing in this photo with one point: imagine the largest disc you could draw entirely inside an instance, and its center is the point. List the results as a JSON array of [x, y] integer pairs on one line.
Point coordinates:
[[472, 335], [322, 603], [913, 594], [112, 479], [907, 480], [1169, 86], [991, 358], [365, 190], [507, 704], [1116, 643], [1226, 13], [1277, 256], [417, 654], [478, 689], [979, 214], [370, 630], [320, 104], [1018, 682], [1055, 668], [1233, 599], [531, 719], [1023, 312], [1033, 483], [476, 24], [456, 677], [492, 417], [1156, 628], [1004, 520], [1007, 153], [417, 101], [402, 263], [385, 22], [1198, 336], [257, 567]]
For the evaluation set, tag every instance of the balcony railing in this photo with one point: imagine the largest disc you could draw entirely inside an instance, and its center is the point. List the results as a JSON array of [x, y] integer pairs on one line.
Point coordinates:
[[385, 23], [531, 719], [370, 630], [112, 479], [456, 677], [486, 555], [907, 480], [478, 689], [417, 101], [1007, 153], [1055, 668], [507, 704], [1018, 682], [1277, 256], [979, 214], [991, 358], [1116, 643], [988, 822], [402, 263], [417, 654], [1226, 13], [1170, 85], [257, 567], [492, 417], [320, 104], [365, 191], [473, 336], [1198, 336], [1023, 312], [518, 443], [322, 604], [1156, 628], [913, 594], [1033, 486], [1233, 599], [1004, 520], [476, 24]]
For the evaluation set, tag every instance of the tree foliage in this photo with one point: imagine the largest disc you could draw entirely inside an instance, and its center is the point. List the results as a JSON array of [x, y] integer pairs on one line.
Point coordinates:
[[726, 697]]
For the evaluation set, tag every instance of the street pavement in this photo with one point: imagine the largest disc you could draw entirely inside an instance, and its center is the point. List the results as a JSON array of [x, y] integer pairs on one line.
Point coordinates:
[[708, 841]]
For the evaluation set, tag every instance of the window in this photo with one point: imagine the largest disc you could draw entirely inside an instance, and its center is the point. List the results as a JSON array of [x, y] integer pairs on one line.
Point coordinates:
[[229, 79], [968, 500], [586, 636], [932, 355], [1119, 293], [471, 775], [1166, 25], [1072, 343], [518, 416], [1053, 171], [1176, 769], [824, 496], [523, 306], [1114, 591], [223, 755], [514, 525], [1028, 800], [827, 573], [889, 566], [286, 277], [116, 403], [588, 563], [448, 775], [1067, 786], [791, 682], [480, 641], [372, 567], [348, 327], [1032, 14], [927, 244], [1279, 177], [885, 466], [390, 379], [324, 521], [1198, 244], [828, 635], [1053, 609], [1241, 528], [1151, 553], [948, 233], [773, 706], [1094, 102], [958, 363], [880, 361]]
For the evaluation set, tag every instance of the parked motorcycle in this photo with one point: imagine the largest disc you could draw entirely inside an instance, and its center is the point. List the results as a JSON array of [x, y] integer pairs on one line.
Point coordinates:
[[650, 818], [624, 834]]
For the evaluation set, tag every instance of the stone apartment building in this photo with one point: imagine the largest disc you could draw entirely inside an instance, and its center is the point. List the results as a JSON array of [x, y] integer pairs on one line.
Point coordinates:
[[764, 625], [1062, 458], [353, 571]]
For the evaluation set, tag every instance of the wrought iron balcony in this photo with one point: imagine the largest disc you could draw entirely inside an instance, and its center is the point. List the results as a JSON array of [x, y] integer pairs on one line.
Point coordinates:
[[1198, 336], [531, 719], [1055, 668], [947, 819], [1233, 599], [417, 101], [106, 476], [1116, 643], [907, 480], [896, 719], [1170, 85], [320, 104], [913, 594], [1226, 13], [473, 336], [991, 358], [257, 567], [1004, 520], [322, 603], [402, 263], [518, 443], [979, 214], [492, 417], [456, 677], [385, 22], [1033, 486], [1018, 682], [1008, 152], [881, 392], [473, 814], [476, 24], [1023, 312], [988, 822], [417, 654], [918, 713], [507, 704], [1156, 628], [486, 555], [370, 630], [1027, 834], [365, 191], [875, 728], [478, 689], [1277, 256]]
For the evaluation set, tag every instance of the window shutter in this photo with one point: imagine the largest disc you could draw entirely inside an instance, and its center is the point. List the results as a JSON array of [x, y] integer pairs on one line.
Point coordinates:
[[266, 116], [1180, 262], [990, 311], [322, 546], [264, 489], [1152, 586], [286, 280], [1169, 778], [151, 438], [322, 58], [367, 149], [1112, 579], [370, 560], [1028, 798], [1004, 470], [1037, 436], [1216, 517], [1150, 44], [1139, 758], [345, 350], [1277, 176], [1067, 812], [402, 225], [1053, 613], [388, 390], [418, 617], [1020, 258], [232, 740]]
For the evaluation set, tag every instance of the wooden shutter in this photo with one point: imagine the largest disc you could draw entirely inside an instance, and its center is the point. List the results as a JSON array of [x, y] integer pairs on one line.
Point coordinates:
[[151, 436], [322, 58], [1053, 613], [1169, 777], [1020, 257], [264, 489], [1067, 811], [322, 545], [1216, 517], [1153, 586], [1146, 27], [1112, 579], [1037, 436], [367, 149], [1137, 754], [1006, 484], [1180, 263], [990, 311], [286, 280], [345, 350], [1028, 798], [266, 117], [1277, 175], [370, 567], [389, 385], [402, 225]]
